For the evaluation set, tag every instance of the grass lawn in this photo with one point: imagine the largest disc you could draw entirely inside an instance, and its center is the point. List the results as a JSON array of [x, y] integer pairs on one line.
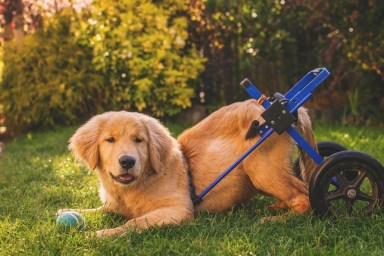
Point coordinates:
[[38, 176]]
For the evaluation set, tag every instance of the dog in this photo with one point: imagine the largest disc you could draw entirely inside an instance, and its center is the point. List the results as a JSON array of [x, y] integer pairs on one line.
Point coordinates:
[[146, 175], [142, 173], [212, 145]]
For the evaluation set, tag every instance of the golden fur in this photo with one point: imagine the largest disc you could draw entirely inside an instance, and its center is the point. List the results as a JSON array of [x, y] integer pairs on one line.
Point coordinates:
[[212, 145], [159, 194]]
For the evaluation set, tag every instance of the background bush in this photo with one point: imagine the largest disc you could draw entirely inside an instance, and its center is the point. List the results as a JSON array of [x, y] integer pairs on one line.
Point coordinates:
[[139, 47], [50, 79]]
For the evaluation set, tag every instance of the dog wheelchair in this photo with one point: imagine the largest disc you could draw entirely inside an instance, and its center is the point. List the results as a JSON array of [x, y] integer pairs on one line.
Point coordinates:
[[345, 183]]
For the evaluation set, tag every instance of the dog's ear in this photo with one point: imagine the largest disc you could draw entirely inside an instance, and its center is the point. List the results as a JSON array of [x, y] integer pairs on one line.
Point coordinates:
[[84, 143], [161, 143]]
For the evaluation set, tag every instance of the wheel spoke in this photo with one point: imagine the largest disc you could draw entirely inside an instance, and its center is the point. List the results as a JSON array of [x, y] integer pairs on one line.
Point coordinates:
[[338, 194], [359, 179], [365, 197], [342, 180], [349, 206]]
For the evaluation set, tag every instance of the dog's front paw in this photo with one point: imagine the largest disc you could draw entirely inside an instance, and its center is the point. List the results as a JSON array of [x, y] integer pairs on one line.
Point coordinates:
[[105, 233], [119, 231], [101, 233]]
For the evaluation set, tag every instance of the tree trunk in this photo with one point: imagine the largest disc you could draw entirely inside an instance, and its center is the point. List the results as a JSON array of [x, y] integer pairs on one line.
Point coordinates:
[[8, 34], [14, 13], [18, 20]]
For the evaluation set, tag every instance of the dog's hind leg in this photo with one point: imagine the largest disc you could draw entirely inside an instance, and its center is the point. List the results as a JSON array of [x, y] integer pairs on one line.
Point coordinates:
[[290, 191], [277, 205], [271, 174]]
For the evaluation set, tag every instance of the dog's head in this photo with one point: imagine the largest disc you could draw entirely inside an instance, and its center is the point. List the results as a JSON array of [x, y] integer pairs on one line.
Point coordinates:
[[123, 146]]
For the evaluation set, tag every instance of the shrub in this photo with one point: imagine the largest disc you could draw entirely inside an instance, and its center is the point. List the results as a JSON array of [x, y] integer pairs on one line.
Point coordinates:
[[140, 48], [50, 79]]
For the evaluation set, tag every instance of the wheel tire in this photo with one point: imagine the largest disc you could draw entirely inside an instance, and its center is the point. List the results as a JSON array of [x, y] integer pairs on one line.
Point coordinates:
[[360, 195], [326, 148]]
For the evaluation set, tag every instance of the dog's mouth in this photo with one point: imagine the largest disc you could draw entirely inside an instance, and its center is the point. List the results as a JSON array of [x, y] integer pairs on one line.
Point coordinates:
[[125, 178]]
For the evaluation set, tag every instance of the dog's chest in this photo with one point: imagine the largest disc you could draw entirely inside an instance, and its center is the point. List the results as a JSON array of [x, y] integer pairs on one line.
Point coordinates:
[[130, 206], [115, 201]]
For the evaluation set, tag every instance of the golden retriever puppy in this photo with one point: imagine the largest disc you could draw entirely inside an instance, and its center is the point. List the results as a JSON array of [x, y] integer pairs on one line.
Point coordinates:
[[212, 145], [141, 169]]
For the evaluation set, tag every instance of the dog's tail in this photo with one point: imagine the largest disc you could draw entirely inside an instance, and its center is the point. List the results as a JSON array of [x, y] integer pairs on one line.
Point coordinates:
[[307, 164]]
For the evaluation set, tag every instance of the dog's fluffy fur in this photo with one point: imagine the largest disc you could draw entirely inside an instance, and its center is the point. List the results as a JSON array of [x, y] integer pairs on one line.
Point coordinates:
[[155, 190], [212, 145]]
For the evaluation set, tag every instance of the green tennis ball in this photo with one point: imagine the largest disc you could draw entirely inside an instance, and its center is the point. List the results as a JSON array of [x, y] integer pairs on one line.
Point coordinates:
[[69, 220]]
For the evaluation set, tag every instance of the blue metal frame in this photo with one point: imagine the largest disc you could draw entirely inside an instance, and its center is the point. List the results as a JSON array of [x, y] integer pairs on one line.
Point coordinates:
[[296, 97]]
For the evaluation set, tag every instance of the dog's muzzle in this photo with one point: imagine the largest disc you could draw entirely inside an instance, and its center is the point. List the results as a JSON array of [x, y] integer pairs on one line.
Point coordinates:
[[126, 162], [125, 178]]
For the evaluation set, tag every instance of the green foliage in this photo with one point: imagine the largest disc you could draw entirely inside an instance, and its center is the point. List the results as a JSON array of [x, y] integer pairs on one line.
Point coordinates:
[[274, 43], [50, 79], [38, 177], [139, 46]]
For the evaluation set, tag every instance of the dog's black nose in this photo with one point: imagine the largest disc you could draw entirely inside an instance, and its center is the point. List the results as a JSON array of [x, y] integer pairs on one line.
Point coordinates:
[[127, 162]]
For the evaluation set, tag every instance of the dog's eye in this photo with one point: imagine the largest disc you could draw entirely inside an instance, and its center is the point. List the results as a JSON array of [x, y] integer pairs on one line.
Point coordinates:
[[138, 140], [110, 139]]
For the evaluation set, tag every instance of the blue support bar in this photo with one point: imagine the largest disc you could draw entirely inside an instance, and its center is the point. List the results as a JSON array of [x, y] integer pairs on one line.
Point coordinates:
[[304, 145], [301, 96], [254, 93], [300, 85], [297, 96], [233, 166]]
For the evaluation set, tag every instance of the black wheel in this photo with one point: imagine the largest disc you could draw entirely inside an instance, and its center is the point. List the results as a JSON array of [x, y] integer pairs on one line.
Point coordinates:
[[333, 191], [326, 148]]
